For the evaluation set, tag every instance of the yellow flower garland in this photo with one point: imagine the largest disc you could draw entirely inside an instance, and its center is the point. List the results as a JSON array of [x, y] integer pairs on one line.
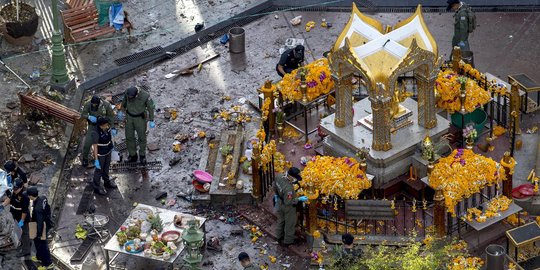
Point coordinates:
[[466, 263], [335, 176], [265, 109], [510, 165], [448, 86], [318, 78], [495, 206], [462, 174], [266, 154]]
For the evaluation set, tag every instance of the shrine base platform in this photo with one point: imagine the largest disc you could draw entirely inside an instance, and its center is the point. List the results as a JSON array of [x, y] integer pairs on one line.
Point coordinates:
[[384, 165]]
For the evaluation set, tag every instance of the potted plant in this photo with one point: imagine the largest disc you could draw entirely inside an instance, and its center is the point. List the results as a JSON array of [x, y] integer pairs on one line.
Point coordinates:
[[18, 22]]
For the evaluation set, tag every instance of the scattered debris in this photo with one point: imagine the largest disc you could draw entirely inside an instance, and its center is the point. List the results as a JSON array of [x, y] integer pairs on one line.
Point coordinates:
[[152, 147], [532, 130], [80, 232], [296, 20], [199, 27], [189, 70], [174, 161], [310, 25], [161, 196], [26, 158], [12, 105]]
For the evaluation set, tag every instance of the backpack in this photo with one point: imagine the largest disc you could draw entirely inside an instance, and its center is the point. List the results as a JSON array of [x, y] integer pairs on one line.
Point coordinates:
[[471, 19]]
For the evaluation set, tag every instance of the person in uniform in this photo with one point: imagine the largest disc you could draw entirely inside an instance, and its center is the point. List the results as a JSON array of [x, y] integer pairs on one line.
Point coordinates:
[[245, 261], [139, 108], [40, 212], [285, 199], [93, 109], [290, 60], [463, 23], [14, 172], [19, 208], [102, 148]]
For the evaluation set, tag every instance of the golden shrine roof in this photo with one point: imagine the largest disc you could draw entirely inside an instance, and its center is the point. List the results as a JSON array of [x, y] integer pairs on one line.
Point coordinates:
[[380, 51]]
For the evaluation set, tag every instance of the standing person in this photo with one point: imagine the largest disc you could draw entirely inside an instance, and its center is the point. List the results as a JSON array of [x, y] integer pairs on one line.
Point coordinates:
[[40, 213], [245, 261], [14, 172], [286, 201], [290, 60], [20, 210], [139, 108], [102, 146], [93, 109], [464, 23]]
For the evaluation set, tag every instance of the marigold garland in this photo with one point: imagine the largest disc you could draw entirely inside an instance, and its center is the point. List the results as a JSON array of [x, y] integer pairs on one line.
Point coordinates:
[[466, 263], [265, 109], [318, 78], [448, 86], [335, 176], [510, 165], [462, 174], [494, 207], [267, 152]]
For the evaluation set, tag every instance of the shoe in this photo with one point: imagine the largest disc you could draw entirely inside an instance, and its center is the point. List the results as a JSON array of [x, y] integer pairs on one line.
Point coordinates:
[[35, 259], [142, 159], [110, 184], [132, 159], [20, 254], [85, 163], [100, 191]]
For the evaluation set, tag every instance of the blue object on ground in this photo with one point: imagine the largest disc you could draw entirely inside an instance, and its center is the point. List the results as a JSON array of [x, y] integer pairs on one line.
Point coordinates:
[[224, 39]]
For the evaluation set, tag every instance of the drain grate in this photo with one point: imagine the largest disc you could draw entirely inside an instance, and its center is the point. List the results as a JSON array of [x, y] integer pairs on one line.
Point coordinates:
[[136, 56], [134, 166], [121, 147]]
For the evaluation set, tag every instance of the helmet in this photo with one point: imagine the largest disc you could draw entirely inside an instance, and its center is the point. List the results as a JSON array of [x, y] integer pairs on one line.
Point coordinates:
[[132, 92], [95, 100], [18, 183], [102, 120], [10, 166], [32, 191]]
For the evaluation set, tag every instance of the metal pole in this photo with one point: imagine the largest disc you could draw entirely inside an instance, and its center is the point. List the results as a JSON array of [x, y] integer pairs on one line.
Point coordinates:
[[13, 72], [59, 70]]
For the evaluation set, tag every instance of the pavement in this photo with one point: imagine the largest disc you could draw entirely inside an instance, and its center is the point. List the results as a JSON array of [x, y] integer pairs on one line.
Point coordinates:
[[503, 44]]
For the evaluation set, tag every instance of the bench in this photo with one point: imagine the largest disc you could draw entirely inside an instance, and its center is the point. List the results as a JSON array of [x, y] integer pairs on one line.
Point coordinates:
[[81, 24], [369, 209], [77, 3], [47, 106]]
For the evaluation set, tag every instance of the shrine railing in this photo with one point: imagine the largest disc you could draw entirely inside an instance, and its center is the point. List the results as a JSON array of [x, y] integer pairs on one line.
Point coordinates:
[[386, 218]]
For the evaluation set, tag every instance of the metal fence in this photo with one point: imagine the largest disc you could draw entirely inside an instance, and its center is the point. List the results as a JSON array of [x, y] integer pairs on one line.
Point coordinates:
[[409, 216]]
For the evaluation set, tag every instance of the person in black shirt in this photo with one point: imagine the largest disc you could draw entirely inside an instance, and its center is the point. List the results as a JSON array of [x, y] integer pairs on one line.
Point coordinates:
[[40, 212], [290, 60], [103, 146], [14, 172], [19, 208]]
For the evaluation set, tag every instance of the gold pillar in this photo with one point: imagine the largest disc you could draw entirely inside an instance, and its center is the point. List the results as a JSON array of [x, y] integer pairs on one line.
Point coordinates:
[[439, 213], [255, 176], [344, 104], [312, 217], [509, 172], [515, 104], [456, 58], [381, 110], [268, 93], [425, 79]]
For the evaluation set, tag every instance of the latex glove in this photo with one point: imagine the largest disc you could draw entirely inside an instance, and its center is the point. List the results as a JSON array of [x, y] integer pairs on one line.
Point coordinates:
[[21, 223], [120, 115], [96, 163], [461, 44], [302, 199], [152, 124], [114, 132], [92, 119]]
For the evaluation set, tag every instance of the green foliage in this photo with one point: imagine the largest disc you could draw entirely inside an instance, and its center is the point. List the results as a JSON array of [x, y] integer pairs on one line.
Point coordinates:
[[434, 254]]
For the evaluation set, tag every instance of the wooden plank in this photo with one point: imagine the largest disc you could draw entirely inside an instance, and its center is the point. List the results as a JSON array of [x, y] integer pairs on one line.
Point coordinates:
[[367, 203]]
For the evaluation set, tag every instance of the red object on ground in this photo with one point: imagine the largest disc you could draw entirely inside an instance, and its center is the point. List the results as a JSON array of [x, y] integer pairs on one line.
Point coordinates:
[[199, 186], [523, 191], [203, 176]]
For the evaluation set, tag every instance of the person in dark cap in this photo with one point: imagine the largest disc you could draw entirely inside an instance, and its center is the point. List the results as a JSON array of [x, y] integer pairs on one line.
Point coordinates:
[[102, 146], [286, 200], [94, 108], [290, 60], [40, 213], [245, 261], [14, 171], [347, 254], [139, 108], [20, 210], [464, 23]]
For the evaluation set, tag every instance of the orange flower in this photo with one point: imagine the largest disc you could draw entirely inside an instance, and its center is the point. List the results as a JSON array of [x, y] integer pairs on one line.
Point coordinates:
[[462, 174], [318, 78], [335, 176], [448, 86]]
